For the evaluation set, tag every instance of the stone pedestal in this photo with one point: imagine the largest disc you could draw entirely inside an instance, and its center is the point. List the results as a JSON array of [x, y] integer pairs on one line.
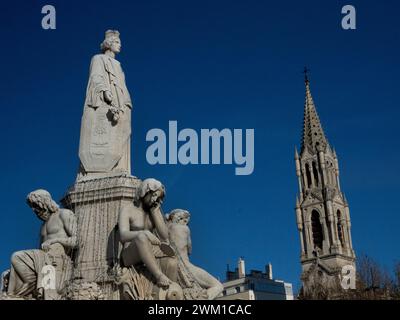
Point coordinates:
[[96, 204]]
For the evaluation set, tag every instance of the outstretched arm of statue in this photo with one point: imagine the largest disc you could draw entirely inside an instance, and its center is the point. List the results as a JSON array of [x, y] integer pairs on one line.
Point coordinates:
[[159, 222]]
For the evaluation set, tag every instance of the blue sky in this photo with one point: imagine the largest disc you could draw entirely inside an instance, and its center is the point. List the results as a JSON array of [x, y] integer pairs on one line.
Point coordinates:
[[212, 64]]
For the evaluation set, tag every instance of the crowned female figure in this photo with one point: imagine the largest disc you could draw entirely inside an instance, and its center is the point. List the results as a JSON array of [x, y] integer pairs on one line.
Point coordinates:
[[106, 122]]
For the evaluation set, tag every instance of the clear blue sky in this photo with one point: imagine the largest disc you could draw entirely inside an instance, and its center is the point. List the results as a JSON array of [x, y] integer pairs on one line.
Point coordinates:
[[212, 64]]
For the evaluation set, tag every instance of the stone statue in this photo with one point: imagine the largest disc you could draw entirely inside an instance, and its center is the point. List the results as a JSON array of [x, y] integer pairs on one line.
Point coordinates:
[[190, 275], [58, 238], [106, 122], [110, 208], [144, 233], [5, 278]]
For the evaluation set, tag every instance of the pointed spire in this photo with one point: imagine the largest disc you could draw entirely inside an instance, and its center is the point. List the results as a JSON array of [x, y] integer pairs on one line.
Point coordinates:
[[313, 135], [296, 155]]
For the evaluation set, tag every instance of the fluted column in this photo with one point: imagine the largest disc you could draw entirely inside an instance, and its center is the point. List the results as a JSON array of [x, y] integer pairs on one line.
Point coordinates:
[[305, 176], [331, 221], [312, 174], [309, 242], [336, 234], [346, 239], [323, 168], [349, 228], [298, 174], [300, 228], [337, 173]]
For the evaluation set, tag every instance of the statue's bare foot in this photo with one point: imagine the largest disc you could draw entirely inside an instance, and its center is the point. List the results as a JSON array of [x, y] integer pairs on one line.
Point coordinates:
[[163, 281]]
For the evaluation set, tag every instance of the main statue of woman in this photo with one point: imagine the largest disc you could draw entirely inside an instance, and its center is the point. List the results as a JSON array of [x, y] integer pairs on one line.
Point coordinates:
[[106, 122]]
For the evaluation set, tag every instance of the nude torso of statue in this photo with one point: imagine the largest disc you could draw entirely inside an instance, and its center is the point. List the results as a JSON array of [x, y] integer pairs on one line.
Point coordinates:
[[58, 236], [138, 219], [180, 236], [53, 228], [142, 244], [60, 227], [135, 222]]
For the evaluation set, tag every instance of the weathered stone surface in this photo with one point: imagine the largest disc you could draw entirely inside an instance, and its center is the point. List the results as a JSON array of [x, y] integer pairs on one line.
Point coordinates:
[[106, 122], [322, 212], [144, 234], [97, 204], [111, 240], [84, 291], [53, 259], [196, 282]]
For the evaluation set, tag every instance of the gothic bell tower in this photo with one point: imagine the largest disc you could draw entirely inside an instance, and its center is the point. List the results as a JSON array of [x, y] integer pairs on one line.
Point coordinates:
[[322, 211]]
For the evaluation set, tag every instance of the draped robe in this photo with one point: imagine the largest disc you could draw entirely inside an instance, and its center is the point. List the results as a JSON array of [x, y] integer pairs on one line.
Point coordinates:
[[104, 143]]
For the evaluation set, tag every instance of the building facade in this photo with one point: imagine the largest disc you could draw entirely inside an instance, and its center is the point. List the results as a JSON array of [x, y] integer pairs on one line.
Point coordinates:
[[322, 211], [255, 285]]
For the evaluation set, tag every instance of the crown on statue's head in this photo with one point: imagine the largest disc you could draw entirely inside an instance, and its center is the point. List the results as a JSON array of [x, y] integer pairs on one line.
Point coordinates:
[[112, 34]]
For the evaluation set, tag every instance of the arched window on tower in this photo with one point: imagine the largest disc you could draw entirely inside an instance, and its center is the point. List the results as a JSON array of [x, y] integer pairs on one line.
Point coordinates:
[[317, 232], [308, 175], [315, 172], [339, 227]]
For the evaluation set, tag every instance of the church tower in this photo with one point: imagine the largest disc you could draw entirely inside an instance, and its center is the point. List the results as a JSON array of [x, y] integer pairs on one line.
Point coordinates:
[[322, 211]]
